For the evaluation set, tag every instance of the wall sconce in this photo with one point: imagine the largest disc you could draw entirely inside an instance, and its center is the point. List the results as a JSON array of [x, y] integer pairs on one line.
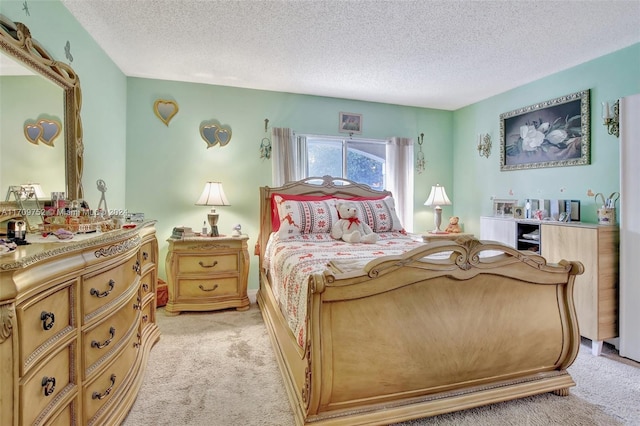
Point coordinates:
[[611, 117], [420, 163], [484, 145]]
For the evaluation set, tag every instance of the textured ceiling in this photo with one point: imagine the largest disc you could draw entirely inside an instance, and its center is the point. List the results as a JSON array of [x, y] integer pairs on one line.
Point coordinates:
[[437, 54]]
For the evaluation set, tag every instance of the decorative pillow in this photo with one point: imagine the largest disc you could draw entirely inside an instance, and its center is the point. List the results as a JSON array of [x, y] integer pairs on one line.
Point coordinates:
[[380, 214], [305, 217], [275, 216]]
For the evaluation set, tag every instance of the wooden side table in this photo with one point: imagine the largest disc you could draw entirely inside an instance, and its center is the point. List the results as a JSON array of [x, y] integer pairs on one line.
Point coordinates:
[[207, 273], [428, 237]]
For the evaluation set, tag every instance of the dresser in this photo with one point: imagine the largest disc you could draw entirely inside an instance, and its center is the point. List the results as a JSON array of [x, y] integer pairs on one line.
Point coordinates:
[[207, 273], [77, 322]]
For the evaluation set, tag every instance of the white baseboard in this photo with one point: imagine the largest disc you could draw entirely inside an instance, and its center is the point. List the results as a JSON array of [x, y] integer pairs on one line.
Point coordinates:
[[252, 293]]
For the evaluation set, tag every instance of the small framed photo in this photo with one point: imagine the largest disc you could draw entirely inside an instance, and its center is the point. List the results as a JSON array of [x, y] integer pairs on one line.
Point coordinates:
[[504, 208], [518, 212], [350, 123]]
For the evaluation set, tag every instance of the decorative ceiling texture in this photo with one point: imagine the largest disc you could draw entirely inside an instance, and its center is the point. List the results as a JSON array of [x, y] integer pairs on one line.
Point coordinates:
[[426, 53]]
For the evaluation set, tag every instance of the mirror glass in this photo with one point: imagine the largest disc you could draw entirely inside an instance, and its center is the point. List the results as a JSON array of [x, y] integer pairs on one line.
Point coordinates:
[[49, 93], [26, 156]]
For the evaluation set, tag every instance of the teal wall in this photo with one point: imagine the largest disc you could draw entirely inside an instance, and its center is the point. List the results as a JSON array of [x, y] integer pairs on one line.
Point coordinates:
[[160, 170], [477, 179], [167, 166]]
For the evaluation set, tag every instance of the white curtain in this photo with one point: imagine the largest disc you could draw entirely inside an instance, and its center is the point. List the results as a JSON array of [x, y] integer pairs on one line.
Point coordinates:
[[287, 157], [399, 177]]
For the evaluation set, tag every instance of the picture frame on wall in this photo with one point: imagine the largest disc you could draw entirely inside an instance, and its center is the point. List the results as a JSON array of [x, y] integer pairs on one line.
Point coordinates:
[[504, 208], [350, 122], [553, 133]]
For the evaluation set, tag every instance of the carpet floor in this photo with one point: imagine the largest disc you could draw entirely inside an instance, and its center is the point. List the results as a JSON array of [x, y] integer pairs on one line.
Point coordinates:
[[218, 368]]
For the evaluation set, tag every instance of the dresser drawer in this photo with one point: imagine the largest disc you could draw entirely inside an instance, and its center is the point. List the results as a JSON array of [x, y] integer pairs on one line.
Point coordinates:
[[202, 288], [45, 319], [208, 264], [41, 390], [67, 416], [147, 285], [148, 315], [147, 254], [104, 287], [108, 383], [104, 338]]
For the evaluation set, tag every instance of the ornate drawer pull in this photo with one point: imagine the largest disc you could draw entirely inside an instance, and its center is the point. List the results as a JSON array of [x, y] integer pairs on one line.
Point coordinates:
[[136, 266], [145, 318], [94, 344], [137, 305], [48, 319], [48, 385], [137, 344], [208, 289], [103, 395], [215, 262], [145, 255], [96, 293], [145, 286]]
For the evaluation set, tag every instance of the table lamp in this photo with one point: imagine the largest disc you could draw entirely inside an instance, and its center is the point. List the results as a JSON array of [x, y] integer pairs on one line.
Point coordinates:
[[438, 197], [213, 195]]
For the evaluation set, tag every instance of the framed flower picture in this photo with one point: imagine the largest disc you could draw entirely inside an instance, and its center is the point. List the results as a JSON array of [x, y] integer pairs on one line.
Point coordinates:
[[554, 133]]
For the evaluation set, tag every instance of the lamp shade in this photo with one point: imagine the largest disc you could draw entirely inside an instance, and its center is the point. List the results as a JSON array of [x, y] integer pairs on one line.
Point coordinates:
[[438, 197], [212, 195]]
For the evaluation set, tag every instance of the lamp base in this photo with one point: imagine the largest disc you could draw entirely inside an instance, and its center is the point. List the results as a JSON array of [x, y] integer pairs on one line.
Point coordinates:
[[212, 218]]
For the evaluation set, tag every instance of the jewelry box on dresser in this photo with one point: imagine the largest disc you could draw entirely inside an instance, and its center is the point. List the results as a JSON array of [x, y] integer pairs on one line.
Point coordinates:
[[77, 322]]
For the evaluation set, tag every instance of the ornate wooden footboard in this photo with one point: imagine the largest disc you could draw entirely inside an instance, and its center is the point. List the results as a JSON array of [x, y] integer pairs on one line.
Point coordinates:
[[438, 329]]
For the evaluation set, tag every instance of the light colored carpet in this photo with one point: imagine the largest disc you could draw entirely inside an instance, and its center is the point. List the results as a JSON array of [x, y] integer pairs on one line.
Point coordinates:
[[218, 368]]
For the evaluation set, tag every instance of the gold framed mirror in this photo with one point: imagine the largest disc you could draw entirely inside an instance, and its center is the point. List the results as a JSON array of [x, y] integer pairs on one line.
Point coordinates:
[[17, 43]]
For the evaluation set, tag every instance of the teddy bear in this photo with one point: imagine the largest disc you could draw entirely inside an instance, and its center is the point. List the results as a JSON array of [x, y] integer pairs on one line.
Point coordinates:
[[350, 228], [453, 227]]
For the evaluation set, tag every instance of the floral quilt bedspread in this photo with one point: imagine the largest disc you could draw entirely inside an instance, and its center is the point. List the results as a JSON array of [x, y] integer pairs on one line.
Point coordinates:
[[290, 263]]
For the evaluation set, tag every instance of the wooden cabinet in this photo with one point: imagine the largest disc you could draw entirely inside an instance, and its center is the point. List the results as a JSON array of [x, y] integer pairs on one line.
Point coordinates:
[[595, 291], [77, 320], [207, 273]]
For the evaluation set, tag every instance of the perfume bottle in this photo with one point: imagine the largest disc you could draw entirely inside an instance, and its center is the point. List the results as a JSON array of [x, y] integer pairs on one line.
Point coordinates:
[[204, 228]]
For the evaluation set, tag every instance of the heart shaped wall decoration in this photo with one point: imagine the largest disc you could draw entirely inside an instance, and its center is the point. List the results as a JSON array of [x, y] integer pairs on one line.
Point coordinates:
[[214, 134], [165, 110], [45, 131]]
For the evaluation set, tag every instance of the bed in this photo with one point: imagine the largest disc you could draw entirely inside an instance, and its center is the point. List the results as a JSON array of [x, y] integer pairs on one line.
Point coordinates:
[[400, 329]]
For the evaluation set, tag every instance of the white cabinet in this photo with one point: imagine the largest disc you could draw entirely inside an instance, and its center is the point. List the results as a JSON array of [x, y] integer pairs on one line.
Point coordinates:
[[498, 229], [629, 227]]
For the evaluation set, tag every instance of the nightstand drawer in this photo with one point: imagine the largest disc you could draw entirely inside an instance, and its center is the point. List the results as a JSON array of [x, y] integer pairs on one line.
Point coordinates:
[[207, 288], [208, 264]]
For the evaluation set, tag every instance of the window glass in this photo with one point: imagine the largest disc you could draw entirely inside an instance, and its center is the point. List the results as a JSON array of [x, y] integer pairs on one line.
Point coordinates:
[[360, 160]]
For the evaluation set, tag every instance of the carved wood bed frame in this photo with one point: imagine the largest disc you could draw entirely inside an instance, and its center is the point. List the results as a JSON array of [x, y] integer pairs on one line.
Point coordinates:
[[409, 337]]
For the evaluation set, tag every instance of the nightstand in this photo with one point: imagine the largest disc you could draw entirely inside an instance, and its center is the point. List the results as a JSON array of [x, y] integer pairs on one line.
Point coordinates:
[[207, 273], [428, 237]]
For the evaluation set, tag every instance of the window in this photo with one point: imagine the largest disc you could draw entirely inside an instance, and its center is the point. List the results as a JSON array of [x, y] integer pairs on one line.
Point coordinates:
[[359, 160]]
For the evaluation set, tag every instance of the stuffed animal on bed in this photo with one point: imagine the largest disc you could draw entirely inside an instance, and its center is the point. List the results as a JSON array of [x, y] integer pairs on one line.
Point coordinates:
[[350, 228]]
